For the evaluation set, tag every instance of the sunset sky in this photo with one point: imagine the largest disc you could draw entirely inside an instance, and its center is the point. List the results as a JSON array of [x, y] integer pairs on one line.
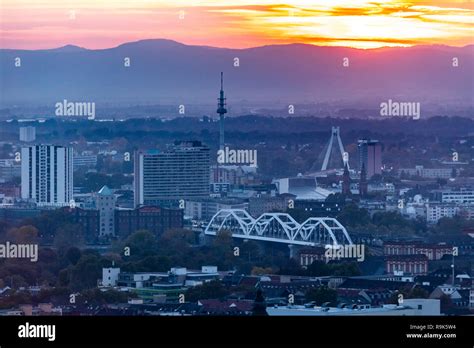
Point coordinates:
[[35, 24]]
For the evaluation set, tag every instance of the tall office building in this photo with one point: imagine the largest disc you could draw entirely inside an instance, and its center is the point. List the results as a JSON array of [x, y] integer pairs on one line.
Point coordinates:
[[370, 156], [47, 174], [27, 134], [180, 172]]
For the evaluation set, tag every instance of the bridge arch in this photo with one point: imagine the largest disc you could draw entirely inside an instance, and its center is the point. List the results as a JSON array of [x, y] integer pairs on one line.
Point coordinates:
[[279, 227]]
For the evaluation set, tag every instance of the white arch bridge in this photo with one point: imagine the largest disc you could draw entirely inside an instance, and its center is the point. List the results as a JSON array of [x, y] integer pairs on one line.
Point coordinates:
[[280, 228]]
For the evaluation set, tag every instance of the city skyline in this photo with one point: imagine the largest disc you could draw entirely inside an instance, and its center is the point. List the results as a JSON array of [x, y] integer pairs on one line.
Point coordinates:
[[236, 158]]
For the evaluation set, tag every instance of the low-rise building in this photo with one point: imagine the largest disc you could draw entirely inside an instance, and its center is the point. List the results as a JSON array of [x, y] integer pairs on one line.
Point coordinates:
[[86, 159], [205, 209], [466, 211], [320, 208], [436, 211], [309, 255], [159, 286], [268, 203], [446, 290], [119, 222], [410, 307], [110, 276], [463, 195], [9, 169], [154, 219], [28, 134], [412, 264], [431, 251], [233, 175], [427, 173]]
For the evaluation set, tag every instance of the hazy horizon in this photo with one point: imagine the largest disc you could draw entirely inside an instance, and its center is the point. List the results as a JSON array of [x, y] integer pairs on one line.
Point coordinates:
[[73, 45], [161, 71]]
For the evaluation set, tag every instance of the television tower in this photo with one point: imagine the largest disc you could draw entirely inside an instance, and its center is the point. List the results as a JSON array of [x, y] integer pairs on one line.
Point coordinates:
[[221, 110]]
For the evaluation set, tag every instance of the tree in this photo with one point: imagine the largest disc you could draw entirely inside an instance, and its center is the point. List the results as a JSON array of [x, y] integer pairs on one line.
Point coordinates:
[[222, 249], [291, 267], [318, 269], [280, 166], [446, 304], [259, 305], [142, 243], [451, 225], [321, 295], [257, 271], [223, 239], [209, 290], [249, 251], [67, 236], [73, 255], [176, 241], [98, 297], [391, 218], [16, 281], [149, 264], [346, 269], [23, 235], [86, 272], [63, 277], [4, 226], [335, 197], [441, 182], [49, 222], [418, 292], [353, 216]]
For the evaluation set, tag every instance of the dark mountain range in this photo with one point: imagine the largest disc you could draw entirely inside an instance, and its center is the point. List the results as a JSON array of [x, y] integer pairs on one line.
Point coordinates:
[[164, 71]]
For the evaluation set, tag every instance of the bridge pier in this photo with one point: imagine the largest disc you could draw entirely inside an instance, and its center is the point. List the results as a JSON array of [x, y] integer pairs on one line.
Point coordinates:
[[201, 238], [206, 239], [294, 249]]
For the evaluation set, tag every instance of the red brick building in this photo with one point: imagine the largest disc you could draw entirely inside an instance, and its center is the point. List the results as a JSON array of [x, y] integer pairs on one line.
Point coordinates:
[[152, 218], [309, 255], [413, 264], [431, 251], [127, 221], [10, 190]]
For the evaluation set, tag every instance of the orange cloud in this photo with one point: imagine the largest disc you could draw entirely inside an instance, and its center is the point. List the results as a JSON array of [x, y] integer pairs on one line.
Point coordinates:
[[236, 23]]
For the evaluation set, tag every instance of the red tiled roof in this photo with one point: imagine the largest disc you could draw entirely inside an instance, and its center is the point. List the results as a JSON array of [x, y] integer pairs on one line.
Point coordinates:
[[249, 281]]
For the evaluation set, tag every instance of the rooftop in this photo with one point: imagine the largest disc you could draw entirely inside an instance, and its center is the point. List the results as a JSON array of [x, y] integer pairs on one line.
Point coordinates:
[[105, 191]]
